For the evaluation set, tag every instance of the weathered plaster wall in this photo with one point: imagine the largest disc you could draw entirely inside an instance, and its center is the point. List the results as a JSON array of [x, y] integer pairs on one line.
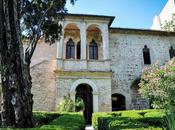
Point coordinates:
[[127, 58], [43, 52], [43, 65], [43, 88]]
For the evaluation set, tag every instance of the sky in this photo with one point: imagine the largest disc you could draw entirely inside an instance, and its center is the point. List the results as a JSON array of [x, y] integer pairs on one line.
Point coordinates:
[[128, 13]]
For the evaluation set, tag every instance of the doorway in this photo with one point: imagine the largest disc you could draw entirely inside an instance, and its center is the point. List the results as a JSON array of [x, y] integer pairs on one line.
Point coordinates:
[[84, 92], [118, 102]]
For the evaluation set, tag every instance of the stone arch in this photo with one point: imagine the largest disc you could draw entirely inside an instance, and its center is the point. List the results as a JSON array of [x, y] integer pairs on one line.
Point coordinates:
[[71, 31], [94, 33], [94, 91], [98, 31], [120, 91], [71, 23], [94, 25], [83, 81], [126, 95]]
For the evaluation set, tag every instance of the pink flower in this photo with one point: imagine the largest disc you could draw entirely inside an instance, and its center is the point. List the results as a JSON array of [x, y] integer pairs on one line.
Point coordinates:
[[170, 73], [156, 79], [163, 67]]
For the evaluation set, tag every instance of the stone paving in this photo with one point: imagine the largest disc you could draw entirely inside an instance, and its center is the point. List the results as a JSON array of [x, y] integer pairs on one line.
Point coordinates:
[[89, 127]]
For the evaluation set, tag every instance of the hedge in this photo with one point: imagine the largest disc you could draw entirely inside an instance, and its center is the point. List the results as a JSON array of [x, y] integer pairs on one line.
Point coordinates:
[[70, 121], [56, 121], [129, 120], [42, 117]]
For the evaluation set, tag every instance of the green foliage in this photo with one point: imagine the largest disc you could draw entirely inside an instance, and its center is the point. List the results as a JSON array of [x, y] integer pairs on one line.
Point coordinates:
[[56, 121], [135, 82], [158, 84], [41, 18], [41, 118], [169, 25], [69, 121], [129, 120], [79, 104], [170, 119], [67, 105]]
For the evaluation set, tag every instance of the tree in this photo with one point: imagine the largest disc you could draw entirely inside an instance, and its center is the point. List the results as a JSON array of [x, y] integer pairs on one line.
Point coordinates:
[[169, 25], [23, 18]]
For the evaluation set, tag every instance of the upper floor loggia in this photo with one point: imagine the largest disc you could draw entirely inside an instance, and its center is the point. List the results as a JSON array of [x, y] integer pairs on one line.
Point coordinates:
[[84, 44]]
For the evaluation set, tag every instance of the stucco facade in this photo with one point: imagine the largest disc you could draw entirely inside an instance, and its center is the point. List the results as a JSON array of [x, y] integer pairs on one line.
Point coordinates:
[[165, 15], [109, 77]]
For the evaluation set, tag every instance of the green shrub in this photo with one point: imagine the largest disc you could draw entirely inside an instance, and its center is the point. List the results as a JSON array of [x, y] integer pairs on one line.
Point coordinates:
[[96, 116], [170, 119], [67, 105], [79, 104], [131, 114], [56, 121], [41, 118], [129, 120], [69, 121]]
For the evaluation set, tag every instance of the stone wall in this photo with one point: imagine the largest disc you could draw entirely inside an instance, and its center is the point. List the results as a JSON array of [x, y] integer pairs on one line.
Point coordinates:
[[127, 58], [125, 63], [138, 102], [101, 89]]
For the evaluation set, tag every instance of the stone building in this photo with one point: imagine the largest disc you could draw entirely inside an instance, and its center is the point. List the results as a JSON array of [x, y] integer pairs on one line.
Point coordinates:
[[98, 63]]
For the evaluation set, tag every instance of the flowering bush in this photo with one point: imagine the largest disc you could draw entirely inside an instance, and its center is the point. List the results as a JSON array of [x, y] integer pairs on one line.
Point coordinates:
[[158, 84]]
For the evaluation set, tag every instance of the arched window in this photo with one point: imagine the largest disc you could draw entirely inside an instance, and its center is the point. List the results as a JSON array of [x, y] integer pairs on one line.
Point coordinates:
[[93, 50], [70, 49], [171, 52], [146, 55], [78, 50]]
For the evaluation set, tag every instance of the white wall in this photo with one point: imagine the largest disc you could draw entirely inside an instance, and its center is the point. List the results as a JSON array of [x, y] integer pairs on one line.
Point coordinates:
[[165, 15]]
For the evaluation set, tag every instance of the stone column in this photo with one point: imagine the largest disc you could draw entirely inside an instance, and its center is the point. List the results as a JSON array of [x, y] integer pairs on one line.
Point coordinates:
[[60, 48], [83, 41], [60, 45], [95, 102], [105, 37]]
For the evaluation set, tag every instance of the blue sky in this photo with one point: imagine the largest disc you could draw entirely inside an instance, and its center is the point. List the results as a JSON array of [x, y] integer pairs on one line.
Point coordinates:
[[128, 13]]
